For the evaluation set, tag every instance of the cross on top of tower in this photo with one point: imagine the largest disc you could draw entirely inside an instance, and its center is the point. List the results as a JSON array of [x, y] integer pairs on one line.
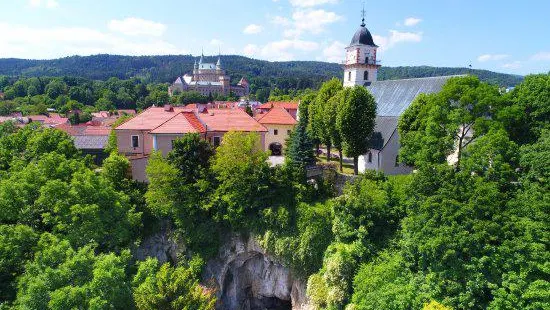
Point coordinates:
[[363, 15]]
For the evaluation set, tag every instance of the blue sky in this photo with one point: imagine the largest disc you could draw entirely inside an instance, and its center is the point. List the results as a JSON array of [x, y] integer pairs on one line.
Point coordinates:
[[505, 36]]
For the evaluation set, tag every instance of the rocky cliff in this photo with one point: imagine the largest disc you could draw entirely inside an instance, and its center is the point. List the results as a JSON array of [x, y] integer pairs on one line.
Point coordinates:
[[243, 275]]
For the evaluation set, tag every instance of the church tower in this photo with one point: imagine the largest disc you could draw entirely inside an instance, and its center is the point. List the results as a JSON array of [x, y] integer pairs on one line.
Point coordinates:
[[361, 65]]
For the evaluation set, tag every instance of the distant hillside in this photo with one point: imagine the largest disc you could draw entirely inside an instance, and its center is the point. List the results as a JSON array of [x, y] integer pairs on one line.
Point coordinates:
[[284, 75]]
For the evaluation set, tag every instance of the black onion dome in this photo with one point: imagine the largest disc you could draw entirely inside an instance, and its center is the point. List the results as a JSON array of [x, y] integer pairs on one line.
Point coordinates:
[[362, 36]]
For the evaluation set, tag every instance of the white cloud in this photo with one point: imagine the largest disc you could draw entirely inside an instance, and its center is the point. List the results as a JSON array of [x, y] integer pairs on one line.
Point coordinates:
[[334, 52], [137, 27], [40, 43], [305, 21], [282, 50], [313, 21], [311, 3], [252, 29], [251, 50], [216, 42], [512, 65], [396, 37], [492, 57], [282, 21], [541, 56], [50, 4], [412, 21]]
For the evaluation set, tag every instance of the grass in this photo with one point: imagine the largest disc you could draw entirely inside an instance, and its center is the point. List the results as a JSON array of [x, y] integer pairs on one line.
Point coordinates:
[[347, 168]]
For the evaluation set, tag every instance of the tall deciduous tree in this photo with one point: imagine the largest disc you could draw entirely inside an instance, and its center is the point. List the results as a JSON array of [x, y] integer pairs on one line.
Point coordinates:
[[355, 121], [439, 124], [321, 126], [241, 168]]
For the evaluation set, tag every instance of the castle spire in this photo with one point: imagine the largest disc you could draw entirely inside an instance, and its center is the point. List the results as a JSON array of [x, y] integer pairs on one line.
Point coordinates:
[[219, 63], [202, 55]]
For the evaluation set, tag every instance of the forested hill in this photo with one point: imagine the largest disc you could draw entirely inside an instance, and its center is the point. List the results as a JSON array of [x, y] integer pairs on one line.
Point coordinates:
[[284, 75]]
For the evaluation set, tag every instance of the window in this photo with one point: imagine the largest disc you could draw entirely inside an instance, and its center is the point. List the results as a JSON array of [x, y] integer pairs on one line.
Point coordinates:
[[216, 141], [349, 76], [397, 161], [275, 132], [288, 132], [370, 157], [135, 141], [366, 76]]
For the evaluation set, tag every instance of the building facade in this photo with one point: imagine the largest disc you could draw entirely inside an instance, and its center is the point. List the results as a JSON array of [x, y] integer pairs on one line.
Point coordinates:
[[361, 63], [209, 79], [279, 123], [392, 98], [156, 128]]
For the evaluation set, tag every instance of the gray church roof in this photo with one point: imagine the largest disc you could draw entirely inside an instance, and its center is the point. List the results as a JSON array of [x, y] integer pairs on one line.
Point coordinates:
[[383, 130], [393, 97], [362, 36], [91, 142]]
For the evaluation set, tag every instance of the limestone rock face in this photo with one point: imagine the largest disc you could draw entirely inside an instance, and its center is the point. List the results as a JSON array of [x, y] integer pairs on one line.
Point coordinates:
[[163, 245], [246, 277]]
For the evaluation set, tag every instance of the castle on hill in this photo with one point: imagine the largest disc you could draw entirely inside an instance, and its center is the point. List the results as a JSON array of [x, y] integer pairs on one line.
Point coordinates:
[[209, 79]]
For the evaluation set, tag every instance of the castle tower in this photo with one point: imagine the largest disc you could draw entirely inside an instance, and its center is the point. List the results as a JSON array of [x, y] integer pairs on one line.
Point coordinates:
[[361, 65]]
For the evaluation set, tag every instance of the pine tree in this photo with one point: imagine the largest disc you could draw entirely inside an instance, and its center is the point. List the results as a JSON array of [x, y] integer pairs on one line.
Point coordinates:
[[300, 147]]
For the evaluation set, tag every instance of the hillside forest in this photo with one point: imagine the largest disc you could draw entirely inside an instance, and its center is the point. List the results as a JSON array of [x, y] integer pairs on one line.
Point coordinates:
[[472, 235], [262, 75]]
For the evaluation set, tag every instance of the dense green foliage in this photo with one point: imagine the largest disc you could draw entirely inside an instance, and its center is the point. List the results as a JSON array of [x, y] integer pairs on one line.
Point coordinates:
[[66, 229], [468, 236], [355, 121]]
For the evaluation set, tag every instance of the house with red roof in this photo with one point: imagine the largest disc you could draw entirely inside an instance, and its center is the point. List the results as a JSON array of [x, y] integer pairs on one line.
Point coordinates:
[[279, 123], [90, 138], [156, 128], [290, 107]]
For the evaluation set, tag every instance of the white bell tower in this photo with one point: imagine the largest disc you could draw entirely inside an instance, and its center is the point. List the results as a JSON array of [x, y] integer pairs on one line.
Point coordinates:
[[361, 65]]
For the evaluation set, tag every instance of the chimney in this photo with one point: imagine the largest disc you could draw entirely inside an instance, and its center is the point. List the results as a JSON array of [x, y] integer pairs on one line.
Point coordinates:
[[168, 108]]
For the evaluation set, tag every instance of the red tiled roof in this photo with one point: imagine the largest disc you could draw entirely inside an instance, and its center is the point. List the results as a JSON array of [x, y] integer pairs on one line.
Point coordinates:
[[280, 104], [101, 114], [215, 119], [230, 119], [55, 120], [184, 122], [150, 118], [84, 130], [278, 116]]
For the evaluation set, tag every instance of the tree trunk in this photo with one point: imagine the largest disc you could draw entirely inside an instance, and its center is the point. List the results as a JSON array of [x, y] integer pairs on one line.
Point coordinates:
[[340, 153], [355, 165], [328, 152], [459, 152]]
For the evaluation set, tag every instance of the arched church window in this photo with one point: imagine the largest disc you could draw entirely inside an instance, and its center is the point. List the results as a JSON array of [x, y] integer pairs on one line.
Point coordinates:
[[366, 76], [370, 157], [349, 76]]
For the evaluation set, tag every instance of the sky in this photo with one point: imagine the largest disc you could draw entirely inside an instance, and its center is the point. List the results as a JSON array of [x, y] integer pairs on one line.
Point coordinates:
[[498, 35]]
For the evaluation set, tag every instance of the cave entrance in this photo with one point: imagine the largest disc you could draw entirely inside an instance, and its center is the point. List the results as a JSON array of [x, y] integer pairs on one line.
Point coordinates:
[[265, 303], [253, 282]]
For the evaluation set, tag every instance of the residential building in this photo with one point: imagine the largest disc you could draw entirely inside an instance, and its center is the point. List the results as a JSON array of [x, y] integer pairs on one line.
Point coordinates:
[[392, 97], [279, 123], [291, 107], [209, 78], [157, 127], [90, 138]]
